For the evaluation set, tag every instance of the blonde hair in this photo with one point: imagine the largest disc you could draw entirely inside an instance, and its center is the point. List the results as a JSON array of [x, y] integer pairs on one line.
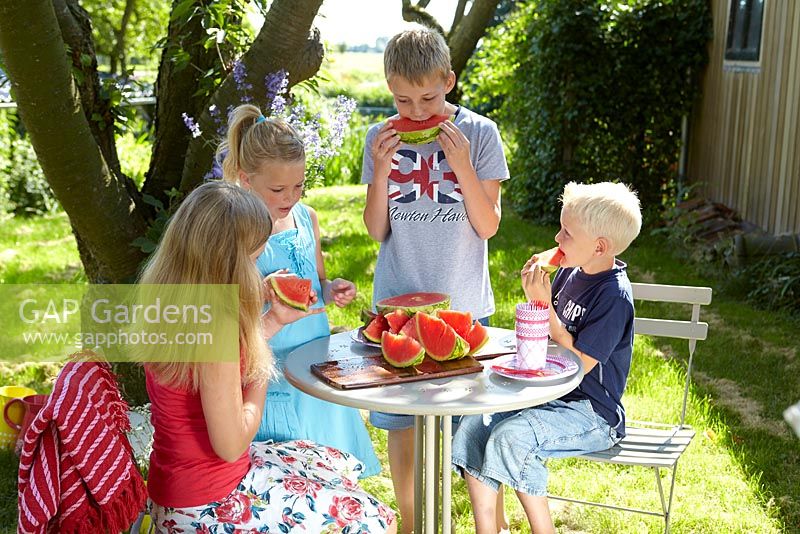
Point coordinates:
[[417, 54], [605, 209], [253, 139], [210, 240]]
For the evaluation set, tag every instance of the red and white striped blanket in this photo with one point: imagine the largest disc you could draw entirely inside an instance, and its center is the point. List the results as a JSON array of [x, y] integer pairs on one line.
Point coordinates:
[[76, 470]]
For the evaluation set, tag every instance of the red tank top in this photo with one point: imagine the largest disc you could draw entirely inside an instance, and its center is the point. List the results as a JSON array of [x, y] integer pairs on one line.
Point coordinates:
[[184, 469]]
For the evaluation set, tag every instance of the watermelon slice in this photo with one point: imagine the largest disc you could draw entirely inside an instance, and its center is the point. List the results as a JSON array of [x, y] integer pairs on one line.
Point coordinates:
[[411, 303], [401, 351], [438, 338], [476, 337], [419, 132], [397, 320], [410, 329], [550, 260], [291, 289], [460, 321], [374, 329]]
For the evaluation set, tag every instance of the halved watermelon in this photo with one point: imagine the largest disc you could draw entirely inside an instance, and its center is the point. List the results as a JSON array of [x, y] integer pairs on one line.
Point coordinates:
[[412, 303], [410, 329], [397, 319], [374, 329], [550, 260], [401, 351], [418, 132], [460, 321], [291, 289], [476, 337], [438, 338]]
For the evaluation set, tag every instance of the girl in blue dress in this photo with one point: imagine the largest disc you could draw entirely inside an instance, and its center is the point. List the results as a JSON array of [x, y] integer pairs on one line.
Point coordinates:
[[267, 156]]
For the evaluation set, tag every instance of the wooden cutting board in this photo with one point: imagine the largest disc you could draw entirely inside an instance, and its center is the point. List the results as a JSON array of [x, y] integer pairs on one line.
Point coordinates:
[[373, 370]]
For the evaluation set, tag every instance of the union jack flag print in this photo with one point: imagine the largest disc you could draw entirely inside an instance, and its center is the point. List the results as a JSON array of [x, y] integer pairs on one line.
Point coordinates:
[[430, 177]]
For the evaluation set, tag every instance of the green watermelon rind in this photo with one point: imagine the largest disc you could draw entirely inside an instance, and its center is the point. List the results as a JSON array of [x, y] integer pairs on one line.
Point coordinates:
[[399, 338], [420, 137], [274, 281], [443, 303]]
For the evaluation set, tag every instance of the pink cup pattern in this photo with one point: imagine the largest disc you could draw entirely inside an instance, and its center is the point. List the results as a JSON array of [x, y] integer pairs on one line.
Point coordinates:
[[533, 330]]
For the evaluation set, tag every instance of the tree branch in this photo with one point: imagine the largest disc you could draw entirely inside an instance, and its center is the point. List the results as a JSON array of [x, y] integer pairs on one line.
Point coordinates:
[[464, 37], [417, 13], [459, 14]]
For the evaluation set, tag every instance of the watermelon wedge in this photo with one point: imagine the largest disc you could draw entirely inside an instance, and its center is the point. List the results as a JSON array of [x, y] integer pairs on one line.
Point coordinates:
[[476, 337], [397, 319], [376, 328], [460, 321], [439, 339], [367, 316], [419, 132], [401, 351], [410, 329], [550, 260], [412, 303], [291, 289]]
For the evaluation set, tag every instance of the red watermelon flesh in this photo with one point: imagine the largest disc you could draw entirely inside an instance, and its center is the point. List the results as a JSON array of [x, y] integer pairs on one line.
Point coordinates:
[[460, 321], [373, 330], [550, 260], [411, 303], [407, 125], [438, 338], [410, 329], [292, 290], [397, 320], [401, 351], [477, 337]]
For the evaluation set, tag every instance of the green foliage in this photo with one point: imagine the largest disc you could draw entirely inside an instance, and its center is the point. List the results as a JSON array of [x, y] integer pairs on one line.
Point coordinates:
[[23, 187], [149, 241], [591, 91]]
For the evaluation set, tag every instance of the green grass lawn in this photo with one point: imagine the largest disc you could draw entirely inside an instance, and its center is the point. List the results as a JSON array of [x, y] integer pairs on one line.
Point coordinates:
[[742, 471]]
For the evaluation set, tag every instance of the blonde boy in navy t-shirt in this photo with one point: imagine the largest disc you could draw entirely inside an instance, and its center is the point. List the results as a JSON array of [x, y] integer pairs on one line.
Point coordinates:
[[432, 207], [591, 315]]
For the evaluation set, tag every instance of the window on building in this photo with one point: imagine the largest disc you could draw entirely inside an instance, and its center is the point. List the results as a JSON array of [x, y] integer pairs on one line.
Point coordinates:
[[744, 30]]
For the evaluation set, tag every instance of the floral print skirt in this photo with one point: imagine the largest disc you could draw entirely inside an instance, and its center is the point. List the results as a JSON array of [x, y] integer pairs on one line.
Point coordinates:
[[295, 486]]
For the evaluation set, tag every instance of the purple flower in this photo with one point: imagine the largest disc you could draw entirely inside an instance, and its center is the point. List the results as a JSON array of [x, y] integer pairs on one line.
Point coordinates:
[[343, 110], [278, 105], [276, 83], [216, 116], [240, 77], [192, 125]]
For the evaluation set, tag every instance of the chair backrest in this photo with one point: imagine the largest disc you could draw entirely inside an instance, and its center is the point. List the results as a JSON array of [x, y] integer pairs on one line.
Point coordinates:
[[693, 330]]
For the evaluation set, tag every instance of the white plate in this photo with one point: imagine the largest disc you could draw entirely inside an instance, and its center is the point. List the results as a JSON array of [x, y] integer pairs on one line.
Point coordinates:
[[509, 341], [358, 336], [556, 369]]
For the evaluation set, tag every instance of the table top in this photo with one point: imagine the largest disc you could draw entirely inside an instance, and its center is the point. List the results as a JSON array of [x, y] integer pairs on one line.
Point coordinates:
[[485, 392]]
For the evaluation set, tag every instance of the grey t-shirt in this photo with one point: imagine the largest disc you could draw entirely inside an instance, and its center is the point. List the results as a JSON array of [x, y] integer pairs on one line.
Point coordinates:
[[431, 245]]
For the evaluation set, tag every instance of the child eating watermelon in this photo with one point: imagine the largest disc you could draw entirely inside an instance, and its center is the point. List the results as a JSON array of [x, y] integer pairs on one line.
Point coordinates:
[[432, 205]]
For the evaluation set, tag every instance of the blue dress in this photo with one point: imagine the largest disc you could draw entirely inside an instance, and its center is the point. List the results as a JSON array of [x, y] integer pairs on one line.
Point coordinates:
[[289, 413]]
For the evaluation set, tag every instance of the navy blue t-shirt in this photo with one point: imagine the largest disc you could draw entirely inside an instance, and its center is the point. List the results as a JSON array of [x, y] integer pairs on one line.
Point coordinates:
[[597, 310]]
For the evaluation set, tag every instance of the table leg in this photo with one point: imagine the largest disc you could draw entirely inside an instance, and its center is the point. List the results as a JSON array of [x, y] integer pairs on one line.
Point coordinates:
[[419, 427], [430, 473], [447, 473], [436, 469]]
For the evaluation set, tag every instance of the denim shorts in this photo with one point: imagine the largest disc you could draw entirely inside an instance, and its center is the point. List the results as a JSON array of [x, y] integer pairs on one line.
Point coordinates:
[[511, 448], [395, 421]]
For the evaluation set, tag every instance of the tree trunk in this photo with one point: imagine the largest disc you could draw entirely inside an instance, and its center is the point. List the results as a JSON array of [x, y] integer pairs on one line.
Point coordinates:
[[176, 88], [99, 206], [118, 53], [284, 42]]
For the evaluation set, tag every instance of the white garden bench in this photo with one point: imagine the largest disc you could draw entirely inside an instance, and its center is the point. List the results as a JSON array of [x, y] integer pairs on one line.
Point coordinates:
[[657, 445]]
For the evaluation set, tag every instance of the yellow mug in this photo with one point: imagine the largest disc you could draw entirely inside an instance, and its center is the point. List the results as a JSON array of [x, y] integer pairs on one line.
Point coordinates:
[[8, 435]]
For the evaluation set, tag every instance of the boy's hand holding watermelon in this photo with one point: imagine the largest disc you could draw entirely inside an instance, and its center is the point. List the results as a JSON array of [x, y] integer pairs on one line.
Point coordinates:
[[536, 274]]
